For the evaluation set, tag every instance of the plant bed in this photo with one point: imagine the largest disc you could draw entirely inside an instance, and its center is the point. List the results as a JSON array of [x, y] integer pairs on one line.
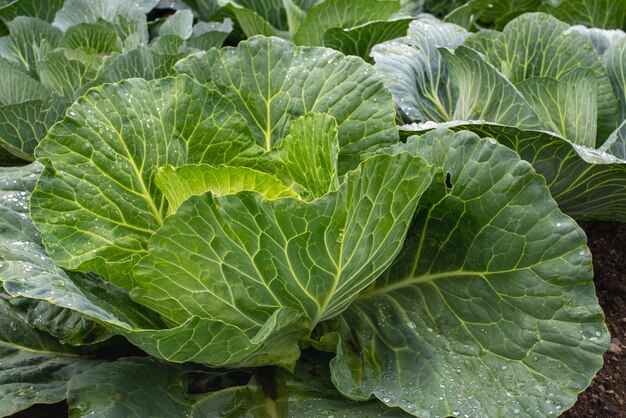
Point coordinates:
[[607, 394], [305, 208]]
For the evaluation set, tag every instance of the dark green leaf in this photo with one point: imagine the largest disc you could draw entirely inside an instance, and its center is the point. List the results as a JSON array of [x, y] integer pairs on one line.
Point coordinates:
[[490, 308]]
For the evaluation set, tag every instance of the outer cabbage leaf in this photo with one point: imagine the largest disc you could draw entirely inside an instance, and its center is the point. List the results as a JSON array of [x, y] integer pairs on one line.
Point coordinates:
[[482, 14], [29, 41], [587, 184], [248, 22], [341, 14], [414, 70], [303, 394], [34, 366], [42, 9], [16, 183], [22, 258], [207, 35], [18, 87], [568, 106], [606, 14], [273, 82], [149, 63], [64, 75], [490, 308], [253, 259], [484, 94], [359, 40], [98, 37], [179, 24], [615, 61], [90, 11], [96, 198], [23, 125], [538, 45]]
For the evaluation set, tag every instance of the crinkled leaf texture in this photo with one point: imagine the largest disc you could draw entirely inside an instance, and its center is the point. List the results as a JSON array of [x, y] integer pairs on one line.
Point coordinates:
[[252, 257], [97, 203], [261, 273], [272, 82], [490, 308]]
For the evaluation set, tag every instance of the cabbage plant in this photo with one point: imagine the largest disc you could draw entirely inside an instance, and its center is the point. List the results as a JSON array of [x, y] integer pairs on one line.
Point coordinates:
[[254, 225], [554, 93], [49, 60]]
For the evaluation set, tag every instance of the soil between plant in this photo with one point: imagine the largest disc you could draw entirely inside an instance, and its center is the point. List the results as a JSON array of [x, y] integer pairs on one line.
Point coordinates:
[[606, 397]]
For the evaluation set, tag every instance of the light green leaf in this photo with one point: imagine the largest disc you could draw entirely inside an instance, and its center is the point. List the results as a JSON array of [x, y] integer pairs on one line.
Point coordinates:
[[606, 14], [309, 155], [341, 13], [359, 40], [483, 94], [295, 16], [97, 199], [291, 81], [179, 184], [210, 35], [179, 24], [23, 125], [538, 45], [218, 343], [29, 41], [273, 257], [42, 9], [63, 75], [568, 106], [415, 72], [587, 184], [93, 38], [490, 308]]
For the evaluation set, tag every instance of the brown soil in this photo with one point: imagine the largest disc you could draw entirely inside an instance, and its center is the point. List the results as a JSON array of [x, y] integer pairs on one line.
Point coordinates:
[[606, 397]]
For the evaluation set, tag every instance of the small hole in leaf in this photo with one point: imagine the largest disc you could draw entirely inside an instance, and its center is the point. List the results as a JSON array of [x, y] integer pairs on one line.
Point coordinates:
[[448, 181]]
